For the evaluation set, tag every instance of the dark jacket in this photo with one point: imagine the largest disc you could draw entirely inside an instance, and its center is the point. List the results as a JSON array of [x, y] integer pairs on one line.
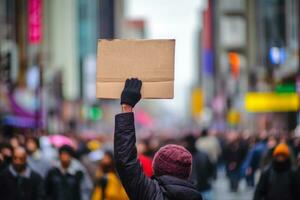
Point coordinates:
[[202, 171], [28, 186], [234, 153], [60, 186], [277, 185], [136, 184]]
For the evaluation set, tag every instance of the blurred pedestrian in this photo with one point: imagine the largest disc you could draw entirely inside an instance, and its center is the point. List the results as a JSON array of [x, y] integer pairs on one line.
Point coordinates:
[[279, 181], [202, 168], [267, 156], [209, 144], [171, 164], [19, 182], [6, 155], [108, 186], [145, 160], [91, 157], [254, 156], [67, 179], [234, 155], [296, 145], [35, 158]]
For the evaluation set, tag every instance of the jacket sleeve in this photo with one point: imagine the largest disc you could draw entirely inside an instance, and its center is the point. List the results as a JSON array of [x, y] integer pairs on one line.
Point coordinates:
[[136, 184]]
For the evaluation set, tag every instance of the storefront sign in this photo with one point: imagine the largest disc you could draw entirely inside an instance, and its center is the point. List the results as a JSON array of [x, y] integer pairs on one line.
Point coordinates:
[[271, 102], [35, 21]]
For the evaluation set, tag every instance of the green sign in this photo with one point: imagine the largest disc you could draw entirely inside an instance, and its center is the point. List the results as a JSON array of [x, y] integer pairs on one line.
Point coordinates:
[[95, 113], [285, 88]]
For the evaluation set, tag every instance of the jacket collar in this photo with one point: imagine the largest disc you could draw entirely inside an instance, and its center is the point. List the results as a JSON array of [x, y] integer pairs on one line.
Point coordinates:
[[177, 189], [25, 174], [72, 169], [171, 180]]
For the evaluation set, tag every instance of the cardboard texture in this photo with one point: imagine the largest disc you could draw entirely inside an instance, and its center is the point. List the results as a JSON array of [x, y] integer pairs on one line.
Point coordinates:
[[152, 61]]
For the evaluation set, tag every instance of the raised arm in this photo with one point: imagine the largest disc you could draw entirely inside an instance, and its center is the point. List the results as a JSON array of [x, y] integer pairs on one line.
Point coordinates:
[[136, 184]]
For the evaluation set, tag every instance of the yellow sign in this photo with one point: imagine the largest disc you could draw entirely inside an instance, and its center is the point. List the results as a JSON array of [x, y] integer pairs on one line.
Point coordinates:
[[233, 117], [197, 102], [271, 102]]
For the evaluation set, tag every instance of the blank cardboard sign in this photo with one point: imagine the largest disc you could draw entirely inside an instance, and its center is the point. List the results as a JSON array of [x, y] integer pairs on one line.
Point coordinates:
[[151, 61]]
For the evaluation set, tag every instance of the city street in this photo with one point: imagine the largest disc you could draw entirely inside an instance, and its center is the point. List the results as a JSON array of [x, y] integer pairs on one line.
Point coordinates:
[[149, 99], [222, 191]]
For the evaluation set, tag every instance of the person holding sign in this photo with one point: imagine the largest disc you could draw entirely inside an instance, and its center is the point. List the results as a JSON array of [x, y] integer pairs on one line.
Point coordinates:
[[171, 164]]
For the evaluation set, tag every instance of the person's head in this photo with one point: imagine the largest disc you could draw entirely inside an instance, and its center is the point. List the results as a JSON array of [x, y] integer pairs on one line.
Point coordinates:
[[19, 159], [14, 141], [189, 143], [107, 163], [272, 142], [172, 160], [32, 145], [141, 147], [281, 157], [204, 132], [6, 151], [281, 152], [263, 136], [66, 154]]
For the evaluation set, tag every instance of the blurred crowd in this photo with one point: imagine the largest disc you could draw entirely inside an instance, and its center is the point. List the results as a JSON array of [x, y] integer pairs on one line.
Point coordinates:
[[36, 166]]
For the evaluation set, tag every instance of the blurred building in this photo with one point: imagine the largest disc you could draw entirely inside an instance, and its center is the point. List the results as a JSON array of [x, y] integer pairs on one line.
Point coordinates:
[[249, 46], [48, 53]]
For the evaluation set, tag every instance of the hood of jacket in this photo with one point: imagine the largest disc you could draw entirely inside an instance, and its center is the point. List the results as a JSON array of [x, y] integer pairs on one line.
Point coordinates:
[[178, 189]]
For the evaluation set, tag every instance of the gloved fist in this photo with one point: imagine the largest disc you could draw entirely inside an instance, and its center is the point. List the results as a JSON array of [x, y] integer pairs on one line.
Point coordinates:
[[132, 92]]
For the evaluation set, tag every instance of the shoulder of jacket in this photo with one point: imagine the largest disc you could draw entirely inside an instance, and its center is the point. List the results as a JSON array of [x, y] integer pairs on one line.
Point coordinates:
[[35, 175], [54, 170]]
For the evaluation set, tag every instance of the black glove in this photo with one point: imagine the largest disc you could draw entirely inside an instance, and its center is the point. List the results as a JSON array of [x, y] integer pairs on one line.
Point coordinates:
[[132, 92]]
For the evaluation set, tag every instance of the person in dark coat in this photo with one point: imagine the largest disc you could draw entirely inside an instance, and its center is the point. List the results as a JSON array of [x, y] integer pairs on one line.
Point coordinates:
[[202, 168], [63, 182], [279, 181], [19, 182], [234, 155], [171, 164]]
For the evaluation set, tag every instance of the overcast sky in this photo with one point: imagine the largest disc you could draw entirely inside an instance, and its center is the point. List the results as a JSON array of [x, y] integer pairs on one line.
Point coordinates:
[[173, 19]]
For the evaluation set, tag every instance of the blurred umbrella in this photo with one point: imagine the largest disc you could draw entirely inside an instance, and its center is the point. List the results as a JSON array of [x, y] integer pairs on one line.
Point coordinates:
[[60, 140]]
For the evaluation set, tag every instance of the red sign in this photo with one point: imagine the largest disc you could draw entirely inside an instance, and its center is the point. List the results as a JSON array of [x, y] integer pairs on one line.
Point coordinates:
[[35, 21]]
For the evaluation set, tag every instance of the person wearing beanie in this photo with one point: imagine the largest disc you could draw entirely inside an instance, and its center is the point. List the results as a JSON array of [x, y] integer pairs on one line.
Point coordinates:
[[281, 149], [172, 164], [278, 181]]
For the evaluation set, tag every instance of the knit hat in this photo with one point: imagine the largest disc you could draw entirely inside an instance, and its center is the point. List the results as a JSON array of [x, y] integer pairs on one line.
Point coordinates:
[[281, 149], [173, 160]]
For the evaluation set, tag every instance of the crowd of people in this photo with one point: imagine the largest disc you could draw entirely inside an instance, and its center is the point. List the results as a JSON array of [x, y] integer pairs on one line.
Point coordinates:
[[33, 168], [27, 171]]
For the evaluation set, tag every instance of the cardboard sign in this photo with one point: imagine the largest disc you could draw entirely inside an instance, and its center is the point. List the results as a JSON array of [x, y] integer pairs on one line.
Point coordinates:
[[151, 61]]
